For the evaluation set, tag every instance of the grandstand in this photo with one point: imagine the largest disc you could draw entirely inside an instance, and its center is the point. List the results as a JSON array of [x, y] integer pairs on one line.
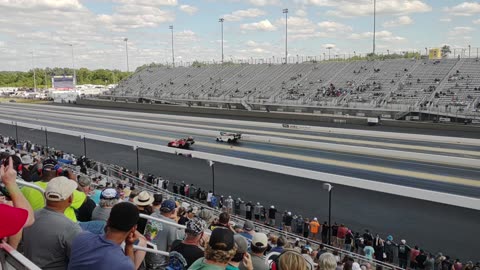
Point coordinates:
[[402, 84]]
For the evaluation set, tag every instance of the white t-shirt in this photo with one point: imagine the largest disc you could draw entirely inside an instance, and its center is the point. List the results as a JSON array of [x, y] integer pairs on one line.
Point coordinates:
[[209, 197]]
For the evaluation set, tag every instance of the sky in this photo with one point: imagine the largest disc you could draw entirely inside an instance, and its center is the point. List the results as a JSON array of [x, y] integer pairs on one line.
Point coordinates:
[[46, 33]]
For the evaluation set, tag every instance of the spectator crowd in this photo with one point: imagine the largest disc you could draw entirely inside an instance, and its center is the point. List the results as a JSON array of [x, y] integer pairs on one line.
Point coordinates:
[[83, 222]]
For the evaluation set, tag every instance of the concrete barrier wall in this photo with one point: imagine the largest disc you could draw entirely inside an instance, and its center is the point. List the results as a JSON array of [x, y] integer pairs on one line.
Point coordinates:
[[339, 119]]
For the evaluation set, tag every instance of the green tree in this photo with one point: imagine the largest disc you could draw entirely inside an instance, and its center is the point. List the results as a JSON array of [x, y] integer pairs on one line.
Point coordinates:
[[445, 51]]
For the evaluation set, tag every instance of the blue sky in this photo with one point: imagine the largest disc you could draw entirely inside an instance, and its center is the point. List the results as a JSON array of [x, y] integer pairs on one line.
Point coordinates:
[[37, 32]]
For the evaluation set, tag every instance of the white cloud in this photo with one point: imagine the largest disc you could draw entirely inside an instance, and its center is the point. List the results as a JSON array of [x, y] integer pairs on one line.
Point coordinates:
[[446, 20], [328, 45], [330, 26], [264, 25], [63, 5], [464, 9], [381, 35], [263, 2], [460, 31], [135, 16], [188, 9], [239, 15], [301, 13], [402, 20], [476, 21], [152, 3], [353, 8]]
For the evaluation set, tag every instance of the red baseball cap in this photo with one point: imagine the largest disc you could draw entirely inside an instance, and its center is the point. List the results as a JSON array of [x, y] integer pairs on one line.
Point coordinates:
[[12, 221]]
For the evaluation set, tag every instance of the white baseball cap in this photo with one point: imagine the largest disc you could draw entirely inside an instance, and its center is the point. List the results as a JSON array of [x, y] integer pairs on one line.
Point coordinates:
[[59, 189]]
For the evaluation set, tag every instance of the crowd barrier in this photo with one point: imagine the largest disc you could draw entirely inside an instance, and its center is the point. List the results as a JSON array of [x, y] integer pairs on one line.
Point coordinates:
[[12, 259]]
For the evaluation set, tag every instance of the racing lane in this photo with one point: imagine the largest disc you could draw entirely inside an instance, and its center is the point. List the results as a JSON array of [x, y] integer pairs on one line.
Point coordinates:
[[434, 227], [462, 181]]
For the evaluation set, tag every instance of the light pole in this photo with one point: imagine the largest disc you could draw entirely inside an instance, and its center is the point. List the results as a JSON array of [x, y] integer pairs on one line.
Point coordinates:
[[426, 52], [388, 52], [34, 75], [329, 48], [126, 52], [73, 67], [173, 51], [328, 187], [221, 20], [212, 165], [374, 24], [469, 50], [285, 11]]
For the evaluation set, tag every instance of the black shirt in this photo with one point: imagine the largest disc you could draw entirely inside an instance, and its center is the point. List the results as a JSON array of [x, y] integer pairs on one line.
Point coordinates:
[[288, 220], [191, 253], [271, 213], [84, 213]]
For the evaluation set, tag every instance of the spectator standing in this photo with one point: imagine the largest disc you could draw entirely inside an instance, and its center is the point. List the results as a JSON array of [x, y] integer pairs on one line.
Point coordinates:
[[349, 241], [257, 210], [85, 211], [209, 198], [99, 252], [271, 215], [288, 222], [191, 247], [390, 250], [457, 265], [368, 250], [403, 253], [238, 206], [306, 226], [218, 252], [229, 205], [48, 242], [334, 233], [421, 258], [161, 234], [325, 232], [341, 234], [314, 228], [248, 210], [108, 198], [429, 263], [413, 257]]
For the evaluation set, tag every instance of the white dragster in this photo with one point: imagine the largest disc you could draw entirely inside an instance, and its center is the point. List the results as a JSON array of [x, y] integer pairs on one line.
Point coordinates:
[[229, 137]]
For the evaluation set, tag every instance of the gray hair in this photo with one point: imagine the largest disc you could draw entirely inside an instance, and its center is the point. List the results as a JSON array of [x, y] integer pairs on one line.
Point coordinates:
[[107, 203], [327, 261]]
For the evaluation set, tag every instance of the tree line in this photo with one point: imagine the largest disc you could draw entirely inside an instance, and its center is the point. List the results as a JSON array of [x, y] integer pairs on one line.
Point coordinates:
[[43, 77]]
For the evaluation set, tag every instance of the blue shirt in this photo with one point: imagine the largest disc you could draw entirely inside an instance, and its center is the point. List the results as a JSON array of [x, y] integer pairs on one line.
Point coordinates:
[[369, 251], [91, 251], [96, 196]]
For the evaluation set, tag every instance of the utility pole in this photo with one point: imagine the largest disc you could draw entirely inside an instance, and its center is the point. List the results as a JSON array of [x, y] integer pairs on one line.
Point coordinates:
[[73, 67], [374, 24], [34, 75]]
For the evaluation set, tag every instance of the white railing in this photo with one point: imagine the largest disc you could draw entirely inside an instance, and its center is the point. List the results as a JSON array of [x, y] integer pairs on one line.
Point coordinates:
[[12, 259]]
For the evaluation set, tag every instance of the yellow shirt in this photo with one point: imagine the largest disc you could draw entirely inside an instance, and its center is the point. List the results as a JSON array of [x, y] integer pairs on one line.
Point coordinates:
[[36, 199]]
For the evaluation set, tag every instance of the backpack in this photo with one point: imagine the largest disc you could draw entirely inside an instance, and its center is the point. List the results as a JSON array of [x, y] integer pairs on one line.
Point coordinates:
[[176, 261]]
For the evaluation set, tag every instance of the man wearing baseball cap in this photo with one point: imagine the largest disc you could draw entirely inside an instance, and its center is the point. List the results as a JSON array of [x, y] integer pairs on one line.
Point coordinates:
[[162, 234], [49, 171], [92, 251], [13, 219], [190, 247], [47, 243], [218, 252]]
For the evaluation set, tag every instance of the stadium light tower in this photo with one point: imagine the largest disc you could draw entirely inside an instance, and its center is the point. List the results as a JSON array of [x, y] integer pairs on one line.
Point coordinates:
[[73, 67], [328, 187], [126, 52], [285, 11], [329, 48], [173, 51], [34, 75], [221, 20], [374, 24], [469, 50]]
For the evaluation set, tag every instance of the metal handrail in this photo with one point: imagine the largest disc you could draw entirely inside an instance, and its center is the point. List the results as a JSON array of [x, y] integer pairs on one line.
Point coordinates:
[[154, 188], [17, 258]]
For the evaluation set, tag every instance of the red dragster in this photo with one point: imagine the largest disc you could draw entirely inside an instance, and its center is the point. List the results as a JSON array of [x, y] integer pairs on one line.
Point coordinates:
[[182, 143]]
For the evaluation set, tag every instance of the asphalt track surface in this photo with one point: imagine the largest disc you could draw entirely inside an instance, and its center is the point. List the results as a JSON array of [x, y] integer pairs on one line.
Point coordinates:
[[433, 226]]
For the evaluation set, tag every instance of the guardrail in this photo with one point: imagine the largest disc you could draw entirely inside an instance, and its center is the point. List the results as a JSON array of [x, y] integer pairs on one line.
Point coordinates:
[[12, 259], [112, 171]]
